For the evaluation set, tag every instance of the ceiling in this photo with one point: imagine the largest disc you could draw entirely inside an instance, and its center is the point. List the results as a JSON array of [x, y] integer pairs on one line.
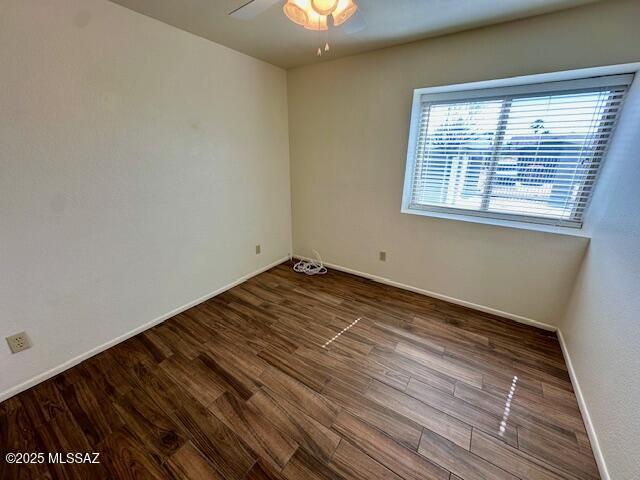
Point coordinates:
[[273, 38]]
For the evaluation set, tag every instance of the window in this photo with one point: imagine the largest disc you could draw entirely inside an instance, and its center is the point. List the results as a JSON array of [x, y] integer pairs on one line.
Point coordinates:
[[525, 153]]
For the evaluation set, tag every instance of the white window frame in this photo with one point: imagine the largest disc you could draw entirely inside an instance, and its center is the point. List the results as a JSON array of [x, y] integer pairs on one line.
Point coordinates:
[[547, 81]]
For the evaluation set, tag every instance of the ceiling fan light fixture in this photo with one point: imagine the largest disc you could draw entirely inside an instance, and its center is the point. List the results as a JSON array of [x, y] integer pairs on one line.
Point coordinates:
[[296, 13], [314, 14], [343, 11], [324, 7]]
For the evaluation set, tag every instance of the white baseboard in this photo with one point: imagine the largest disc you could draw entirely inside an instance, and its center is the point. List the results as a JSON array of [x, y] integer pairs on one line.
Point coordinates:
[[440, 296], [591, 432], [80, 358]]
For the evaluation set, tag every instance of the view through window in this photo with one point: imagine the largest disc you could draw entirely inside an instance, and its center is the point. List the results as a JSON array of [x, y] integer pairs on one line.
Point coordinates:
[[529, 155]]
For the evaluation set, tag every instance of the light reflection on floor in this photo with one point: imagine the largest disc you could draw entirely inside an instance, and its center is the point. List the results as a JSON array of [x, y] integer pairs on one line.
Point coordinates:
[[507, 406]]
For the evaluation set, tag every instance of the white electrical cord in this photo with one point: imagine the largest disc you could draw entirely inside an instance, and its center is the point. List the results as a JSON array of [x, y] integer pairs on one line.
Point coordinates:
[[311, 267]]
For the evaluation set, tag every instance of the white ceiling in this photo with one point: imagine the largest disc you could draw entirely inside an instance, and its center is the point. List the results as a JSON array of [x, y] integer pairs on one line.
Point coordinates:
[[273, 38]]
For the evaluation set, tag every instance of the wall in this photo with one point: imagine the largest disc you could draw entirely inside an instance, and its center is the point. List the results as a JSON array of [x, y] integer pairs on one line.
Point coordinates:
[[139, 167], [348, 125], [601, 326]]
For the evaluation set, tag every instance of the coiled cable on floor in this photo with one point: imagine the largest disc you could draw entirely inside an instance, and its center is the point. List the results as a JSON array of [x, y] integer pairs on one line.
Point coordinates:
[[311, 267]]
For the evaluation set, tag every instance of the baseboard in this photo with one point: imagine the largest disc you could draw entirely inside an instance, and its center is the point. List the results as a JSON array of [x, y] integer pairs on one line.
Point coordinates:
[[111, 343], [440, 296], [591, 432]]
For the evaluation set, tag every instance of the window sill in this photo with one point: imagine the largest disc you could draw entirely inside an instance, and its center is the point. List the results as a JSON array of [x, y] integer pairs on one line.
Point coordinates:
[[536, 227]]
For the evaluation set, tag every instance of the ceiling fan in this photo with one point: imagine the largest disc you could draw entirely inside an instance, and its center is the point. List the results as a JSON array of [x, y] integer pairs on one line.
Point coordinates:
[[315, 15]]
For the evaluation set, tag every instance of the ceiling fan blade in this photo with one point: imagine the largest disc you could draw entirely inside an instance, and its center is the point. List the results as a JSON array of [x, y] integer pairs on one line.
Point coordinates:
[[252, 9], [355, 24]]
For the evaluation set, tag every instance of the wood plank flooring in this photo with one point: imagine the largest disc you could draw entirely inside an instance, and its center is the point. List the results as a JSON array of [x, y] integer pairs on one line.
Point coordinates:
[[241, 387]]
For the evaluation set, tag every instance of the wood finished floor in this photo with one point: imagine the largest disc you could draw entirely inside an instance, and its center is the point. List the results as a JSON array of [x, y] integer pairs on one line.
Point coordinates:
[[240, 387]]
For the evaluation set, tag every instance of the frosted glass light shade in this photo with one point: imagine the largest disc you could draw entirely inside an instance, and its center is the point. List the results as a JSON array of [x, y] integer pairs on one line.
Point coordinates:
[[312, 14], [317, 22], [343, 11], [324, 7], [295, 13], [302, 13]]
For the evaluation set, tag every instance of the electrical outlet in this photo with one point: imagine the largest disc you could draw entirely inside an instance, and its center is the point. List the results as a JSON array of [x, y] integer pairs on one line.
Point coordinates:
[[19, 342], [258, 249], [383, 256]]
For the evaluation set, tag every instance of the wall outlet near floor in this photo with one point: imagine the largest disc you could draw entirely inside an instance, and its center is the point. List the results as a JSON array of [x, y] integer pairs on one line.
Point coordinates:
[[19, 342], [258, 249], [383, 256]]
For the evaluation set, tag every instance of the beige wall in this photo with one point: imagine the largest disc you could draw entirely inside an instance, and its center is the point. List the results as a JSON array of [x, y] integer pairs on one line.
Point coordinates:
[[348, 124], [602, 323], [139, 167]]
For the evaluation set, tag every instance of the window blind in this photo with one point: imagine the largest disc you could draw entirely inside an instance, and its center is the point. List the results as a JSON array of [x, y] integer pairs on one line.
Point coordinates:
[[527, 153]]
